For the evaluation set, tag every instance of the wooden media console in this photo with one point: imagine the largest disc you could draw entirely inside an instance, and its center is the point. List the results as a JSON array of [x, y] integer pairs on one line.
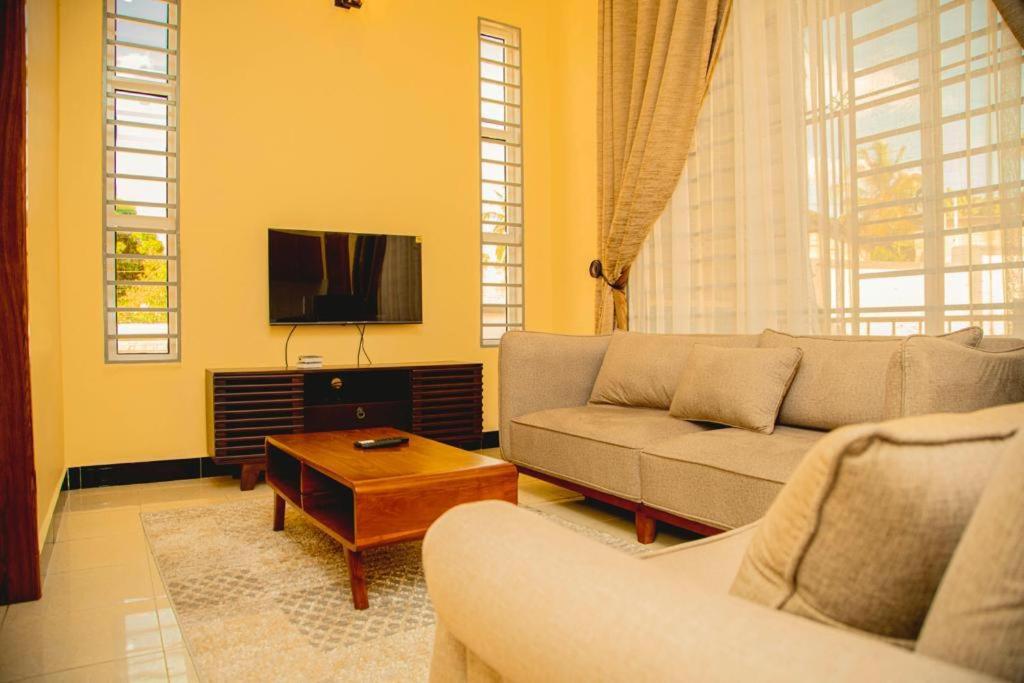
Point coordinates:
[[442, 401]]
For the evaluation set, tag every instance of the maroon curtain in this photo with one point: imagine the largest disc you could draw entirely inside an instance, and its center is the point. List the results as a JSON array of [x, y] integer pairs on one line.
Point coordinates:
[[19, 538]]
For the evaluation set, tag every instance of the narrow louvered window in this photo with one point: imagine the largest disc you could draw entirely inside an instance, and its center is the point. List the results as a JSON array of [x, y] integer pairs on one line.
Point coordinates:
[[140, 169], [501, 181]]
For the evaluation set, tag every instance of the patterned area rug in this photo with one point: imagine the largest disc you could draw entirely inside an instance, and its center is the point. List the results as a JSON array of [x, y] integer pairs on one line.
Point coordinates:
[[257, 605]]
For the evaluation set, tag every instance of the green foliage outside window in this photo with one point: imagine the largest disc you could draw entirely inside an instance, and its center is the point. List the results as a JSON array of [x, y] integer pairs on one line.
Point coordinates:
[[140, 270]]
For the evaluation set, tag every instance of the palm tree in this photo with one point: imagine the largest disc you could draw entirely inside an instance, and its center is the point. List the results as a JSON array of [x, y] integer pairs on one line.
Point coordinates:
[[881, 186]]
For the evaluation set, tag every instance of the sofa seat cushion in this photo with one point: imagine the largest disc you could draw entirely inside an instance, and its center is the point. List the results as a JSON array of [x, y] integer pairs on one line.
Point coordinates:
[[710, 563], [595, 445], [725, 478]]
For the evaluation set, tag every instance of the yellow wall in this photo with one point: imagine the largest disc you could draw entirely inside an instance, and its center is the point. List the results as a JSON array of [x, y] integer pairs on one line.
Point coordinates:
[[43, 265], [298, 114], [574, 172]]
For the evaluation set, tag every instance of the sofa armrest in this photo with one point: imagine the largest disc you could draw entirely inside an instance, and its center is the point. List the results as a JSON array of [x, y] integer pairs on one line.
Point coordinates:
[[538, 371], [529, 600]]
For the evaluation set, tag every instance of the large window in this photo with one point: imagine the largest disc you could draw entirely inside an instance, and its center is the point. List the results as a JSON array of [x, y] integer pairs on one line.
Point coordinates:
[[856, 169], [935, 144], [501, 181], [140, 231]]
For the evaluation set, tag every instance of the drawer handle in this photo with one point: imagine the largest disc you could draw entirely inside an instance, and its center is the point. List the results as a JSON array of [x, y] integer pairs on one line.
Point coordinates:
[[360, 413], [336, 383]]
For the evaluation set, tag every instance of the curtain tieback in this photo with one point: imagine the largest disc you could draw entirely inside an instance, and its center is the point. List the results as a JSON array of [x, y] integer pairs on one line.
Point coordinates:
[[597, 272]]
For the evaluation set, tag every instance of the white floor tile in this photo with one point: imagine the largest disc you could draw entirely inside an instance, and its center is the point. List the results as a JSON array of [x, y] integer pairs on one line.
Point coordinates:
[[170, 633], [105, 551], [88, 589], [531, 489], [98, 523], [179, 666], [102, 498], [145, 668], [52, 643], [577, 510]]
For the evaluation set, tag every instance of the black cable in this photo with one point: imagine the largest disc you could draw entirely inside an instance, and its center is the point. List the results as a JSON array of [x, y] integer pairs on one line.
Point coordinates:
[[294, 327], [361, 351], [362, 344]]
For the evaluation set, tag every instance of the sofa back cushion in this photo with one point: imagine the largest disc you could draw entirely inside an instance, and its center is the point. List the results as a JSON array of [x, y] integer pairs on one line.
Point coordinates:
[[1000, 343], [841, 380], [643, 370], [933, 375], [977, 617], [862, 533], [735, 387]]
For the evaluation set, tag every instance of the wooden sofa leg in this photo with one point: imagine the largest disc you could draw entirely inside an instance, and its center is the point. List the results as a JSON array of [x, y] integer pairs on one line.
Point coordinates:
[[646, 528]]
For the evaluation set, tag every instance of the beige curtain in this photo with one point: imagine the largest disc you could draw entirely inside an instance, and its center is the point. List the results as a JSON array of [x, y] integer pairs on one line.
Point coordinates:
[[856, 169], [730, 252], [655, 62], [1013, 15]]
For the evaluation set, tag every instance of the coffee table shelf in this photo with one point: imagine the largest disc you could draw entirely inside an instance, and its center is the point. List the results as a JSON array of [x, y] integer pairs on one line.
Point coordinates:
[[284, 474], [337, 524]]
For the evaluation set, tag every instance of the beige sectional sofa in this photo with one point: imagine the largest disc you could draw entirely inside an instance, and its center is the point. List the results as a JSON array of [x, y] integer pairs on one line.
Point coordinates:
[[591, 414], [892, 554]]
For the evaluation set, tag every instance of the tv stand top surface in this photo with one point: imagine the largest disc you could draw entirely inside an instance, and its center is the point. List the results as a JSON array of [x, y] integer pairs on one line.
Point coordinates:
[[293, 369]]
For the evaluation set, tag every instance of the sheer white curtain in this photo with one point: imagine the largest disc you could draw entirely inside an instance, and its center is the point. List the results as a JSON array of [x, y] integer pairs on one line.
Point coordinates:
[[856, 169]]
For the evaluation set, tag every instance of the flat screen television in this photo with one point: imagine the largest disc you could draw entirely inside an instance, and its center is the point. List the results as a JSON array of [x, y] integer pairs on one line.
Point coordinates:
[[337, 278]]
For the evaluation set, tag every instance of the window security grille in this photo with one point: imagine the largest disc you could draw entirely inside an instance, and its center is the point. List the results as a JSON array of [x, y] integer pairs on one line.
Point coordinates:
[[140, 168], [501, 181]]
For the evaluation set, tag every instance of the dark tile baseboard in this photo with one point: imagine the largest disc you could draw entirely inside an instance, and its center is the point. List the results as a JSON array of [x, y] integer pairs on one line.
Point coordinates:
[[52, 532], [93, 476]]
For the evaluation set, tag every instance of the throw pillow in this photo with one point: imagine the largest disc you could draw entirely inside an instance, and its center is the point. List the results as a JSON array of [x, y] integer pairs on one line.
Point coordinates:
[[932, 375], [862, 533], [841, 381], [642, 370], [736, 387], [977, 618]]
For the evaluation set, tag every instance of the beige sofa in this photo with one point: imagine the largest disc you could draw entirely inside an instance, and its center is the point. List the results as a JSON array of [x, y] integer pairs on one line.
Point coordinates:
[[519, 598], [693, 475]]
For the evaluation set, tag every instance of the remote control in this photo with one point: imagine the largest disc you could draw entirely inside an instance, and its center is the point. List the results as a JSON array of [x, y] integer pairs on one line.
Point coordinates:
[[382, 443]]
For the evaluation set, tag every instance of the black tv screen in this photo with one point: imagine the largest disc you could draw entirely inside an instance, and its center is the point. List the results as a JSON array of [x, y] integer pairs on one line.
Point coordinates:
[[341, 277]]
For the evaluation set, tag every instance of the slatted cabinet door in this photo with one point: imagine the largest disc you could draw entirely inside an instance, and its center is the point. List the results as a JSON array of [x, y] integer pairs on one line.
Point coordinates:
[[447, 404], [245, 408]]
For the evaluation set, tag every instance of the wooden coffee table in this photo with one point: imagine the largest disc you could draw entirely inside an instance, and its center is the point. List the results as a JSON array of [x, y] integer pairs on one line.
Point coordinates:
[[369, 498]]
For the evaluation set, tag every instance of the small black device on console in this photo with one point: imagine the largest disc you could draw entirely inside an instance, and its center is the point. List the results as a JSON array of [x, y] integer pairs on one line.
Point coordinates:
[[382, 443]]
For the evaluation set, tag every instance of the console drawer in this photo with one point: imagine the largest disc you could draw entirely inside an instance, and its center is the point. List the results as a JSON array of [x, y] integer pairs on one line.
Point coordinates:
[[355, 386], [326, 418]]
